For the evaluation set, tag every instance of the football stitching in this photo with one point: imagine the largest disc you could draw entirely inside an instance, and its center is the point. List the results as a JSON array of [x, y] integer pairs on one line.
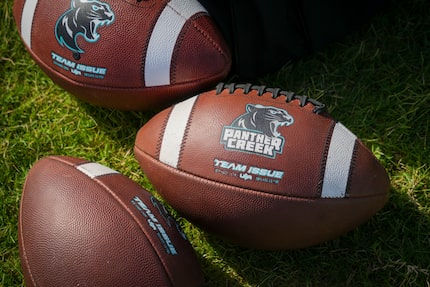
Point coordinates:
[[351, 169], [204, 34], [207, 36], [122, 205], [186, 132], [22, 239], [261, 90], [136, 220], [254, 191], [161, 134], [145, 46], [324, 157], [174, 60]]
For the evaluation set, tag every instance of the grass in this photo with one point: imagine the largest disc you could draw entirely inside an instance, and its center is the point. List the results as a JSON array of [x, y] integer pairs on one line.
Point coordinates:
[[377, 82]]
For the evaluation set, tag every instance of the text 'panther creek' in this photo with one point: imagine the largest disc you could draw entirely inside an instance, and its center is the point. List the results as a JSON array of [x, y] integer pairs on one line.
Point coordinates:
[[256, 131]]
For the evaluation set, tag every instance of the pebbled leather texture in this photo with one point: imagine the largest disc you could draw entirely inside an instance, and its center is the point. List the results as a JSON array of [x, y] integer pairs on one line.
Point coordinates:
[[276, 157], [79, 230]]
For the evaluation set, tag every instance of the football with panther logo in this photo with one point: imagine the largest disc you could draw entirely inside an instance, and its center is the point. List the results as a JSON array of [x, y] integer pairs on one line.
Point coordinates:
[[84, 224], [125, 54], [261, 167]]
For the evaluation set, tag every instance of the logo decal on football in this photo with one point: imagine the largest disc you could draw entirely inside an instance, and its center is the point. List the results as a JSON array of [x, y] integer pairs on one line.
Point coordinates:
[[82, 19], [256, 131]]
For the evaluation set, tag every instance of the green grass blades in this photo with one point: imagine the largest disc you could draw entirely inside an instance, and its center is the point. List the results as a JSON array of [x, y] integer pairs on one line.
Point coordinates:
[[376, 82]]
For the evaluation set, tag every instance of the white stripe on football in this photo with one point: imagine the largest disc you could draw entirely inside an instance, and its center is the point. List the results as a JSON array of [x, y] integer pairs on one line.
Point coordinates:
[[261, 167], [128, 55], [163, 40]]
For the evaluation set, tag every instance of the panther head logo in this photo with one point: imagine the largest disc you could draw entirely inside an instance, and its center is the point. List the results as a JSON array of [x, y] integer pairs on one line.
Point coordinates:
[[82, 19], [264, 119]]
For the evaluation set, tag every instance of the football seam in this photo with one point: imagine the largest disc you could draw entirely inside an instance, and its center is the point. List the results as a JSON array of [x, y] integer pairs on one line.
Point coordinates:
[[258, 192], [262, 90], [352, 168], [206, 35], [324, 157], [121, 203], [179, 41], [268, 98], [21, 236], [174, 60], [145, 46], [44, 66], [161, 134], [135, 219], [186, 132], [192, 21]]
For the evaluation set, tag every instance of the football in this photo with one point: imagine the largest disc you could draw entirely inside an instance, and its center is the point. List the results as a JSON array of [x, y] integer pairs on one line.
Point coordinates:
[[84, 224], [261, 167], [125, 54]]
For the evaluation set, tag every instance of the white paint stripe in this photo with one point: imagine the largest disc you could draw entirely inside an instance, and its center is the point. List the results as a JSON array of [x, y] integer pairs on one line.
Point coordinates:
[[93, 169], [163, 40], [338, 162], [27, 20], [186, 8], [175, 131]]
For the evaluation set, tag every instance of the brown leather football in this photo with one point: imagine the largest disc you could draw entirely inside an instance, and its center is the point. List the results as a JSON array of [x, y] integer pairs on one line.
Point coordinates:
[[124, 54], [84, 224], [261, 167]]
